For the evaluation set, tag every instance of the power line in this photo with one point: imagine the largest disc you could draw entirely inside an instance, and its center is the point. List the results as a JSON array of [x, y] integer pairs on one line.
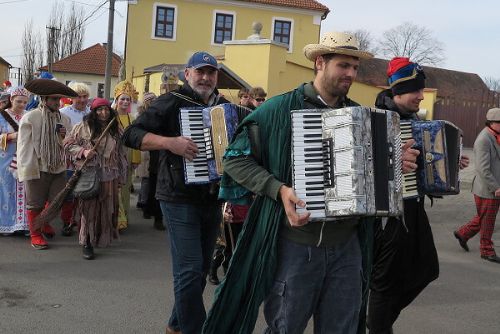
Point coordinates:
[[13, 1]]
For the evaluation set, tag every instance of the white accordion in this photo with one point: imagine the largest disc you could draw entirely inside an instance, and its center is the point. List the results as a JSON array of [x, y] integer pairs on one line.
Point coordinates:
[[347, 162]]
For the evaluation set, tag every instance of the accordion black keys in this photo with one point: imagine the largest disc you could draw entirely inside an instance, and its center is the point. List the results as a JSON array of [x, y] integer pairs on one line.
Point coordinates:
[[440, 146], [212, 129], [347, 162]]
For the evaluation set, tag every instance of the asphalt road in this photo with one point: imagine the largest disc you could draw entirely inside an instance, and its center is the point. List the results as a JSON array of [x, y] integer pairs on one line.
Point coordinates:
[[128, 287]]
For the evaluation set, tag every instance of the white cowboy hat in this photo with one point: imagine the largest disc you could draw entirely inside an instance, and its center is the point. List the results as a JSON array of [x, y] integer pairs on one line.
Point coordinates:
[[336, 42]]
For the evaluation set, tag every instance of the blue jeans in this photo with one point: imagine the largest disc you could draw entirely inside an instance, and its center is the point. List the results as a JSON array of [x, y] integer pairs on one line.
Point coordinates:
[[193, 230], [323, 282]]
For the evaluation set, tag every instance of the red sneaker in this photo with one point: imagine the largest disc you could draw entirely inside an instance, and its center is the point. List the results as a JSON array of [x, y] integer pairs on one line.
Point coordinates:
[[38, 242]]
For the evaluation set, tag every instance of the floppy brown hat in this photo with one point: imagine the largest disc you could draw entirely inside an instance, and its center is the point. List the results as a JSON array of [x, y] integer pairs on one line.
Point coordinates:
[[338, 43], [48, 87]]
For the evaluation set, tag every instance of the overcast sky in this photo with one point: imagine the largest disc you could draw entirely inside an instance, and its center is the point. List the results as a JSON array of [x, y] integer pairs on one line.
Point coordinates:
[[469, 30]]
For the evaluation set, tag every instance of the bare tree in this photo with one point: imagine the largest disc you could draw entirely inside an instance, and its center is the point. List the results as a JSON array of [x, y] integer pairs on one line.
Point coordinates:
[[365, 40], [54, 27], [410, 40], [29, 45], [65, 32], [73, 32], [492, 83]]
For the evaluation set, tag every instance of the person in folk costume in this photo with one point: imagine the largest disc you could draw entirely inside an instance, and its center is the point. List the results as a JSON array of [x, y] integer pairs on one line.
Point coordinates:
[[301, 268], [148, 172], [40, 153], [76, 110], [99, 215], [486, 189], [125, 94], [12, 194], [405, 259]]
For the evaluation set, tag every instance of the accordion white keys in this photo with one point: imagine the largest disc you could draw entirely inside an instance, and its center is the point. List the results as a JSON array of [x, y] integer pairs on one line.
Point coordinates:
[[347, 162], [440, 146], [212, 129]]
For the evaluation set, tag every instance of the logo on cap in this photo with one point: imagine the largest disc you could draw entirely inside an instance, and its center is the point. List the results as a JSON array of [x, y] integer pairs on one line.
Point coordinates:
[[206, 58]]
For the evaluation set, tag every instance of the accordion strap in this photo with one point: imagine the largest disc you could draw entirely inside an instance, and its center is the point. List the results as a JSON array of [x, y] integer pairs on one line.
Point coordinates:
[[187, 98], [9, 120]]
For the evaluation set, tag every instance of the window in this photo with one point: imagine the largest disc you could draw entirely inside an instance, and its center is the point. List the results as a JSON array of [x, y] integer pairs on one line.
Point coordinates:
[[223, 27], [282, 31], [164, 22]]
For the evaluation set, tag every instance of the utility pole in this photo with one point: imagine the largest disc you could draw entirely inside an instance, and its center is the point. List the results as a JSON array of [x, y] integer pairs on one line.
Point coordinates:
[[109, 50], [50, 51]]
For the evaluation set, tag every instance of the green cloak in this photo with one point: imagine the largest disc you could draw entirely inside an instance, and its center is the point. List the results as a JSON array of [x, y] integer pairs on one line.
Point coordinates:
[[254, 262]]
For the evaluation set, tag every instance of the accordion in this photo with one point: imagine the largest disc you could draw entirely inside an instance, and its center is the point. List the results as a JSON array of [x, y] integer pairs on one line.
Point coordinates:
[[347, 162], [211, 129], [440, 146]]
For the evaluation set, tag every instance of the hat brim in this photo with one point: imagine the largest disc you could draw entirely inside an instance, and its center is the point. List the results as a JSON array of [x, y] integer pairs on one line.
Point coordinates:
[[313, 51], [204, 65], [48, 87]]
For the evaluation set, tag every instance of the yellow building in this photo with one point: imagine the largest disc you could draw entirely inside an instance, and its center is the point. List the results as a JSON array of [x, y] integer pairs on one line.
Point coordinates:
[[170, 31]]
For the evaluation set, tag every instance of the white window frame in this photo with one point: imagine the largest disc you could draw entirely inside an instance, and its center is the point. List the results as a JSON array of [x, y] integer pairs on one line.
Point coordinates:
[[153, 28], [292, 25], [214, 18]]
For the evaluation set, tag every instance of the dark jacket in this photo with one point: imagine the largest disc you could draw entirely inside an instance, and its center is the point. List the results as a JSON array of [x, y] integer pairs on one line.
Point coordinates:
[[162, 118], [405, 258]]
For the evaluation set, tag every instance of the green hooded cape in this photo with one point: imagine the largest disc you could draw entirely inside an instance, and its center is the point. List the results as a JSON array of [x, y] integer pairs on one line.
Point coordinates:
[[253, 264]]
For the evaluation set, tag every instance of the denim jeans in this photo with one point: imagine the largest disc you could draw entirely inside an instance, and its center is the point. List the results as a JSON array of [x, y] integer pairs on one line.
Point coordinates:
[[323, 282], [192, 230]]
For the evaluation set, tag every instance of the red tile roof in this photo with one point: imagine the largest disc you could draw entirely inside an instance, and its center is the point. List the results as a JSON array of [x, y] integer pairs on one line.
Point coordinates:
[[92, 60], [304, 4]]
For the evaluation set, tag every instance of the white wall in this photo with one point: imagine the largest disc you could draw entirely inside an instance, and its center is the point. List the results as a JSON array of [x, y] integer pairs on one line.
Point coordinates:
[[91, 80]]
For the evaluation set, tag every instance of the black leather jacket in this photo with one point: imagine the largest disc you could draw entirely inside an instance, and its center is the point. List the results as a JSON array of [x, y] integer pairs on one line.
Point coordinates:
[[162, 118]]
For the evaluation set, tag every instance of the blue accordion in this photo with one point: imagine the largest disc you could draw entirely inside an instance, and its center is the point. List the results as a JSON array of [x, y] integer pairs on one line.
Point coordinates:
[[440, 146], [211, 129]]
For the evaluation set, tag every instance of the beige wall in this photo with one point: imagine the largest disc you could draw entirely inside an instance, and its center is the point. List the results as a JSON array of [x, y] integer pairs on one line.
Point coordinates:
[[4, 72]]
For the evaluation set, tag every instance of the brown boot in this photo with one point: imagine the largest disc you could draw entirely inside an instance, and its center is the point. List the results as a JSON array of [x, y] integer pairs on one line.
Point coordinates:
[[37, 240]]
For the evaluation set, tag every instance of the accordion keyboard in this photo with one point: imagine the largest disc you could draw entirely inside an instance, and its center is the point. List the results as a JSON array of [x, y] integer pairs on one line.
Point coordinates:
[[410, 189], [192, 127], [307, 148]]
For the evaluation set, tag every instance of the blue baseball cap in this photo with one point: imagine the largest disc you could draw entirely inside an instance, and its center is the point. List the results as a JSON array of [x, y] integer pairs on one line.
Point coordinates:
[[201, 59]]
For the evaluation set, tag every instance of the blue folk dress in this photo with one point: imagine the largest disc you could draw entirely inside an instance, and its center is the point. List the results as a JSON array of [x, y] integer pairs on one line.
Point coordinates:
[[12, 194]]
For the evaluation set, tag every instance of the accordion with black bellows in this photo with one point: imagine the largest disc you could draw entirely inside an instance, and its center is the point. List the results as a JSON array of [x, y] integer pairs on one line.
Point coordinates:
[[347, 162]]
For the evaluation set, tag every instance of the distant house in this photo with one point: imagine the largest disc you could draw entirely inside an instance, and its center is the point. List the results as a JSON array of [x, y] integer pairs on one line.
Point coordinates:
[[461, 98], [4, 70], [88, 66]]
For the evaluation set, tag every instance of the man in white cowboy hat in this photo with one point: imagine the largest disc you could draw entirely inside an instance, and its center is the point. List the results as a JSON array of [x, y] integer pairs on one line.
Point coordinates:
[[310, 268], [40, 154]]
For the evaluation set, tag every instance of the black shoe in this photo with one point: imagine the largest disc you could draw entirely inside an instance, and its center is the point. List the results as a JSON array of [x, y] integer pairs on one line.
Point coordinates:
[[461, 241], [491, 258], [212, 278], [67, 230], [158, 224], [88, 252]]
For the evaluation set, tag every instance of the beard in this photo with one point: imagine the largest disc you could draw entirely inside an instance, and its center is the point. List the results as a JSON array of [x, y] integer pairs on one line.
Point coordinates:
[[336, 90], [203, 90]]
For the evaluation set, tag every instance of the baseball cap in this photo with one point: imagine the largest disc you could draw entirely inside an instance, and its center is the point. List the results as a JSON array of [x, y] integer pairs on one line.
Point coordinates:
[[201, 59], [493, 115]]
